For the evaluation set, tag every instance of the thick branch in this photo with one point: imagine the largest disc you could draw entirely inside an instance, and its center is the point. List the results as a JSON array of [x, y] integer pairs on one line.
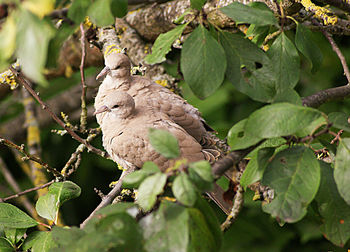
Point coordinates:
[[327, 95]]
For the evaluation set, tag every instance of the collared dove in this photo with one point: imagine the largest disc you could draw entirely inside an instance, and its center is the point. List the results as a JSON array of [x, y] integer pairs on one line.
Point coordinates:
[[149, 94], [125, 133]]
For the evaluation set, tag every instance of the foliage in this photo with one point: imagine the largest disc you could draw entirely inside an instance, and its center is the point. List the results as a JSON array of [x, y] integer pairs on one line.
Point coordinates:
[[299, 152]]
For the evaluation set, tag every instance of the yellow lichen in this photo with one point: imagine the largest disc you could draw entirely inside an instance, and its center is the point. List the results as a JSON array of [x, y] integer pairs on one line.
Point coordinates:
[[320, 12], [163, 83], [112, 48]]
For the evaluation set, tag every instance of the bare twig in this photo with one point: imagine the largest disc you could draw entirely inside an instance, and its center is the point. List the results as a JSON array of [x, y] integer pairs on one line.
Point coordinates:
[[108, 199], [83, 115], [339, 53], [24, 82], [27, 191], [337, 136], [237, 206], [326, 95], [29, 156]]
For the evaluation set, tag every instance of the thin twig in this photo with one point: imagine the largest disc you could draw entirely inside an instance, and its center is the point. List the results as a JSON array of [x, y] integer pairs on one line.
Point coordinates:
[[337, 137], [339, 53], [108, 199], [24, 82], [237, 206], [27, 191], [29, 156], [83, 115], [75, 156]]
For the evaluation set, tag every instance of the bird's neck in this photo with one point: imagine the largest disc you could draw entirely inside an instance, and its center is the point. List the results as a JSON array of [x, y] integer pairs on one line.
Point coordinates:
[[115, 82]]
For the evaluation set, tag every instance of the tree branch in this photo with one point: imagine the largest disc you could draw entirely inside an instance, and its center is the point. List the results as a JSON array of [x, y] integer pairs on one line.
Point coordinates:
[[108, 199], [83, 116], [327, 95], [53, 115]]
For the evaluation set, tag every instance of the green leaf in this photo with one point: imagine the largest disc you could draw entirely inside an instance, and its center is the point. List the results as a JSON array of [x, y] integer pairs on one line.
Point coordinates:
[[100, 13], [33, 36], [332, 208], [119, 8], [211, 220], [149, 189], [44, 242], [12, 217], [63, 236], [164, 143], [256, 166], [31, 239], [197, 4], [166, 229], [184, 190], [342, 169], [306, 44], [201, 237], [246, 14], [201, 175], [77, 11], [257, 83], [46, 206], [5, 246], [280, 119], [203, 62], [64, 191], [163, 43], [134, 179], [339, 120], [294, 174], [14, 235], [286, 61]]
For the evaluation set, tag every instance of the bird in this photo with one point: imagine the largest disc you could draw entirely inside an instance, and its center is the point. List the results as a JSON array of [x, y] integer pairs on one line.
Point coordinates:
[[147, 93], [125, 127]]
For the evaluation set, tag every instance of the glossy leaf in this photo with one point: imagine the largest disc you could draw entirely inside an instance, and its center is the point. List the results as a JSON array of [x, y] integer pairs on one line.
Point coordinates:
[[167, 229], [280, 119], [203, 62], [100, 13], [340, 120], [163, 43], [342, 169], [286, 61], [184, 190], [33, 36], [294, 175], [149, 189], [47, 207], [164, 143], [332, 208], [308, 47], [256, 166], [77, 11], [201, 175], [257, 83], [39, 241], [5, 246], [64, 191], [12, 217], [242, 13]]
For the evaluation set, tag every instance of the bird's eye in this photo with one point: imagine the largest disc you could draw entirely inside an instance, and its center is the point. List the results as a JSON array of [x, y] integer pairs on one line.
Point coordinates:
[[117, 67], [115, 106]]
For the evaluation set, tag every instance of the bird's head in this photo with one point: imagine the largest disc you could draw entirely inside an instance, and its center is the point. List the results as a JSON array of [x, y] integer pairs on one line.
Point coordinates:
[[117, 66], [117, 105]]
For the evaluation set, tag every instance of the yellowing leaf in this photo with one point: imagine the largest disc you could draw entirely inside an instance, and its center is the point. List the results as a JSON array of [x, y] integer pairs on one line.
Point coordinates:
[[8, 38], [39, 7]]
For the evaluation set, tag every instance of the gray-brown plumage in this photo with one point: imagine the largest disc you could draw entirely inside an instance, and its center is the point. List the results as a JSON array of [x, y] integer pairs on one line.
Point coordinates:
[[125, 133], [148, 94]]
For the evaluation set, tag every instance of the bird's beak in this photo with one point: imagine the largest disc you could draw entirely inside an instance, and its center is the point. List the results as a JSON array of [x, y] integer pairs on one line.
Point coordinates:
[[102, 109], [103, 73]]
